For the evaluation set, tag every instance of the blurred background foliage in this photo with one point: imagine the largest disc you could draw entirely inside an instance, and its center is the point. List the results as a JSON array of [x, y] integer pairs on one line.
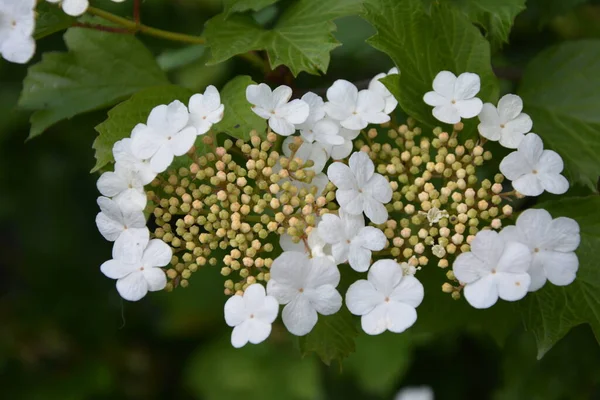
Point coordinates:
[[65, 333]]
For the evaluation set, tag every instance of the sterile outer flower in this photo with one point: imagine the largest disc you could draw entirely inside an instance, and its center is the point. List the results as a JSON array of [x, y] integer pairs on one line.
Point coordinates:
[[360, 188], [164, 136], [307, 151], [315, 246], [552, 244], [350, 239], [354, 109], [453, 97], [127, 228], [135, 278], [415, 393], [387, 300], [316, 107], [205, 110], [125, 158], [493, 268], [274, 106], [376, 86], [124, 186], [533, 169], [74, 8], [506, 123], [339, 152], [307, 287], [251, 315], [17, 24]]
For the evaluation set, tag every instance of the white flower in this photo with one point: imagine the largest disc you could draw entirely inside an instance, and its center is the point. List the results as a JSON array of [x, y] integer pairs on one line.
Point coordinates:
[[205, 110], [492, 269], [315, 246], [316, 108], [533, 169], [125, 158], [307, 287], [434, 215], [354, 109], [454, 98], [17, 24], [350, 239], [251, 315], [307, 151], [387, 300], [376, 86], [415, 393], [274, 106], [552, 244], [127, 228], [165, 135], [124, 186], [73, 7], [506, 123], [359, 188], [136, 277], [339, 152]]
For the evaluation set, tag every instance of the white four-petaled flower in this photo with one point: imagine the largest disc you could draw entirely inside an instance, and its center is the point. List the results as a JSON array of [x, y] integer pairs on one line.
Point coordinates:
[[125, 158], [275, 106], [136, 277], [354, 109], [453, 97], [506, 123], [164, 136], [493, 268], [307, 287], [533, 169], [387, 300], [376, 86], [552, 244], [360, 188], [350, 239], [251, 315], [205, 110], [17, 24]]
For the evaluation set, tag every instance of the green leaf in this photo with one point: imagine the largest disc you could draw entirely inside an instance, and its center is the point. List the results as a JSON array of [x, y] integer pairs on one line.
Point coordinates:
[[549, 9], [301, 39], [552, 311], [380, 361], [561, 92], [423, 44], [122, 118], [233, 6], [332, 338], [99, 70], [50, 19], [239, 119], [219, 371], [495, 16]]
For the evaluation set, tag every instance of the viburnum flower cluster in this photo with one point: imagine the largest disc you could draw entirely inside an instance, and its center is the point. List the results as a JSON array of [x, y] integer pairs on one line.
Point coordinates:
[[334, 181]]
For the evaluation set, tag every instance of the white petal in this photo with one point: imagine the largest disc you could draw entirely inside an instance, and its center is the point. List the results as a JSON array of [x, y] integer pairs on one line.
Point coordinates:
[[516, 258], [490, 132], [281, 292], [409, 291], [341, 176], [322, 272], [529, 185], [362, 297], [511, 139], [468, 268], [281, 126], [342, 151], [565, 232], [162, 159], [512, 287], [537, 274], [75, 7], [145, 142], [469, 108], [287, 244], [316, 105], [296, 111], [553, 183], [331, 228], [130, 244], [550, 162], [281, 95], [156, 279], [259, 95], [482, 293], [444, 84], [489, 116], [369, 101], [371, 238], [110, 184], [375, 321], [467, 85], [340, 252], [258, 331], [18, 48], [390, 104], [531, 147], [290, 269], [400, 317], [374, 210], [385, 275], [131, 200], [269, 311], [515, 165], [132, 287], [354, 121], [325, 299], [299, 316], [359, 258], [522, 124], [235, 310], [344, 95], [447, 113], [352, 224], [239, 335], [351, 201], [254, 297], [362, 168], [116, 269], [108, 227], [560, 268], [378, 188], [157, 254], [488, 246], [183, 141], [435, 99]]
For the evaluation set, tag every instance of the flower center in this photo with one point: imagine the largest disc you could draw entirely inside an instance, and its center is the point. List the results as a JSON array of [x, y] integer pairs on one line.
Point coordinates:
[[348, 241], [273, 112], [537, 250], [251, 315], [142, 268], [301, 290], [387, 299], [453, 101], [169, 138], [130, 186], [493, 270], [502, 126], [534, 171], [124, 226], [517, 283], [204, 117]]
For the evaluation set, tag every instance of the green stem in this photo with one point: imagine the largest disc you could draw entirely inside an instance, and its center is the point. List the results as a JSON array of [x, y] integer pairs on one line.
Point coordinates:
[[134, 27]]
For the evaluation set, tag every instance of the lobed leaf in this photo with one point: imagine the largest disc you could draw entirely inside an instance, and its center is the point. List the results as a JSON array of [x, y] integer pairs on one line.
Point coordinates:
[[233, 6]]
